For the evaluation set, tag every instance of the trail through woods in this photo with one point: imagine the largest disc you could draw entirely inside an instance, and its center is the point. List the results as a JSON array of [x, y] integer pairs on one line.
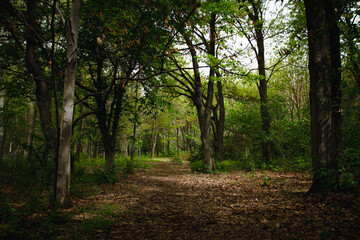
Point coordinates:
[[167, 201]]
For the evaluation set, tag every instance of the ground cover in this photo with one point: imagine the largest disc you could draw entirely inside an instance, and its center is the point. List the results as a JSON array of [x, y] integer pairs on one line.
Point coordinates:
[[168, 201]]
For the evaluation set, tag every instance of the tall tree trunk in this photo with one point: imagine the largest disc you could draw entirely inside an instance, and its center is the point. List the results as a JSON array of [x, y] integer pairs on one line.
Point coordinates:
[[203, 111], [64, 169], [325, 92], [262, 85], [43, 98], [155, 131], [135, 124], [218, 119]]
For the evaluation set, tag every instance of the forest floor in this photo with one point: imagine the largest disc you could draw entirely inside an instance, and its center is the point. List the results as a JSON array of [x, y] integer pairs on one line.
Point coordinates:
[[168, 201]]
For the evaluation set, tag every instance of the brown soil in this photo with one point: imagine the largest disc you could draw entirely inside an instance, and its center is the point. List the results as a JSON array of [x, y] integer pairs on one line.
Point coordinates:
[[167, 201]]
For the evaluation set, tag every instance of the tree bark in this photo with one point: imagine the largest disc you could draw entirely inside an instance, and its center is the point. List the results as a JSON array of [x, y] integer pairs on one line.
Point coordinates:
[[219, 121], [155, 131], [43, 98], [203, 110], [64, 169], [124, 145], [325, 92], [135, 124], [262, 85]]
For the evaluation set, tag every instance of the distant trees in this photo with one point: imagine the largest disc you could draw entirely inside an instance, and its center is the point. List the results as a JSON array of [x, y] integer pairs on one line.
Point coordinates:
[[170, 76]]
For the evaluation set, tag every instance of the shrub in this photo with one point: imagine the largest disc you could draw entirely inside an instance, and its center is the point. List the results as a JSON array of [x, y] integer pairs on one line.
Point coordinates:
[[176, 160], [198, 166], [225, 166]]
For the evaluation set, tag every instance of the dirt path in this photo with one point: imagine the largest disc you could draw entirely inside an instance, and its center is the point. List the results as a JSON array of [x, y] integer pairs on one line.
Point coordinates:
[[167, 201]]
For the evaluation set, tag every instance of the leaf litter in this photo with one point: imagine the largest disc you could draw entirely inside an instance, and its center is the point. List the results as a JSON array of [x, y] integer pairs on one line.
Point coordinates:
[[168, 201]]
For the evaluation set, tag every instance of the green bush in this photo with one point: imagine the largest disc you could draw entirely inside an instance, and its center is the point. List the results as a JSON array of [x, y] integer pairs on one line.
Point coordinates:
[[177, 160], [126, 166], [198, 166], [225, 166]]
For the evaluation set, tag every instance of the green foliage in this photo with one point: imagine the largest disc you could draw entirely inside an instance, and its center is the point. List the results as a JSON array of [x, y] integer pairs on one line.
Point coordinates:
[[37, 170], [338, 180], [10, 221], [90, 170], [127, 166], [177, 160], [225, 166], [199, 167]]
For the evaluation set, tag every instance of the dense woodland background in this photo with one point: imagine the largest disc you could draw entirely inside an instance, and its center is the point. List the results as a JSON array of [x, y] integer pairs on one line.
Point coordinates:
[[222, 84]]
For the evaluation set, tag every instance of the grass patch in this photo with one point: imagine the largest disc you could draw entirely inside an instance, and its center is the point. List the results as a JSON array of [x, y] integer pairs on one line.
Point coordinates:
[[90, 225]]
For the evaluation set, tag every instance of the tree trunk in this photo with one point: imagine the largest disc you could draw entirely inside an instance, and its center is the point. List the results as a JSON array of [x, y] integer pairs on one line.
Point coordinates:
[[154, 134], [79, 146], [43, 98], [124, 145], [350, 39], [219, 122], [203, 112], [255, 15], [64, 169], [31, 119], [325, 92], [135, 125], [110, 155], [2, 124], [262, 86]]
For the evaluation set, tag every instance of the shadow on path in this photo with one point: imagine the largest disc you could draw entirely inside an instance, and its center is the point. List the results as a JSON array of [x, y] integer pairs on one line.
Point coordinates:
[[167, 201]]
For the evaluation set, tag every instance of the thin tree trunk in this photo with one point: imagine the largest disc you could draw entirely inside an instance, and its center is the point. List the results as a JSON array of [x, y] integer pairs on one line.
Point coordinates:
[[262, 86], [135, 125], [64, 169], [154, 134], [79, 146], [257, 21]]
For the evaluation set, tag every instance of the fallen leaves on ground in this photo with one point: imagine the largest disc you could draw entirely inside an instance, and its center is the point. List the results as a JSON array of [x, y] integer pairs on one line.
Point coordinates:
[[169, 202]]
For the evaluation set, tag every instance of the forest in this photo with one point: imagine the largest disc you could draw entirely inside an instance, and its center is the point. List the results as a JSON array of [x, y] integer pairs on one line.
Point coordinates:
[[191, 119]]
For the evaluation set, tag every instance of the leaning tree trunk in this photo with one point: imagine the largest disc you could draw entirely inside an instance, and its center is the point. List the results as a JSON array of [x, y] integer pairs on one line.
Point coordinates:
[[64, 169], [325, 92], [155, 131], [43, 98]]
